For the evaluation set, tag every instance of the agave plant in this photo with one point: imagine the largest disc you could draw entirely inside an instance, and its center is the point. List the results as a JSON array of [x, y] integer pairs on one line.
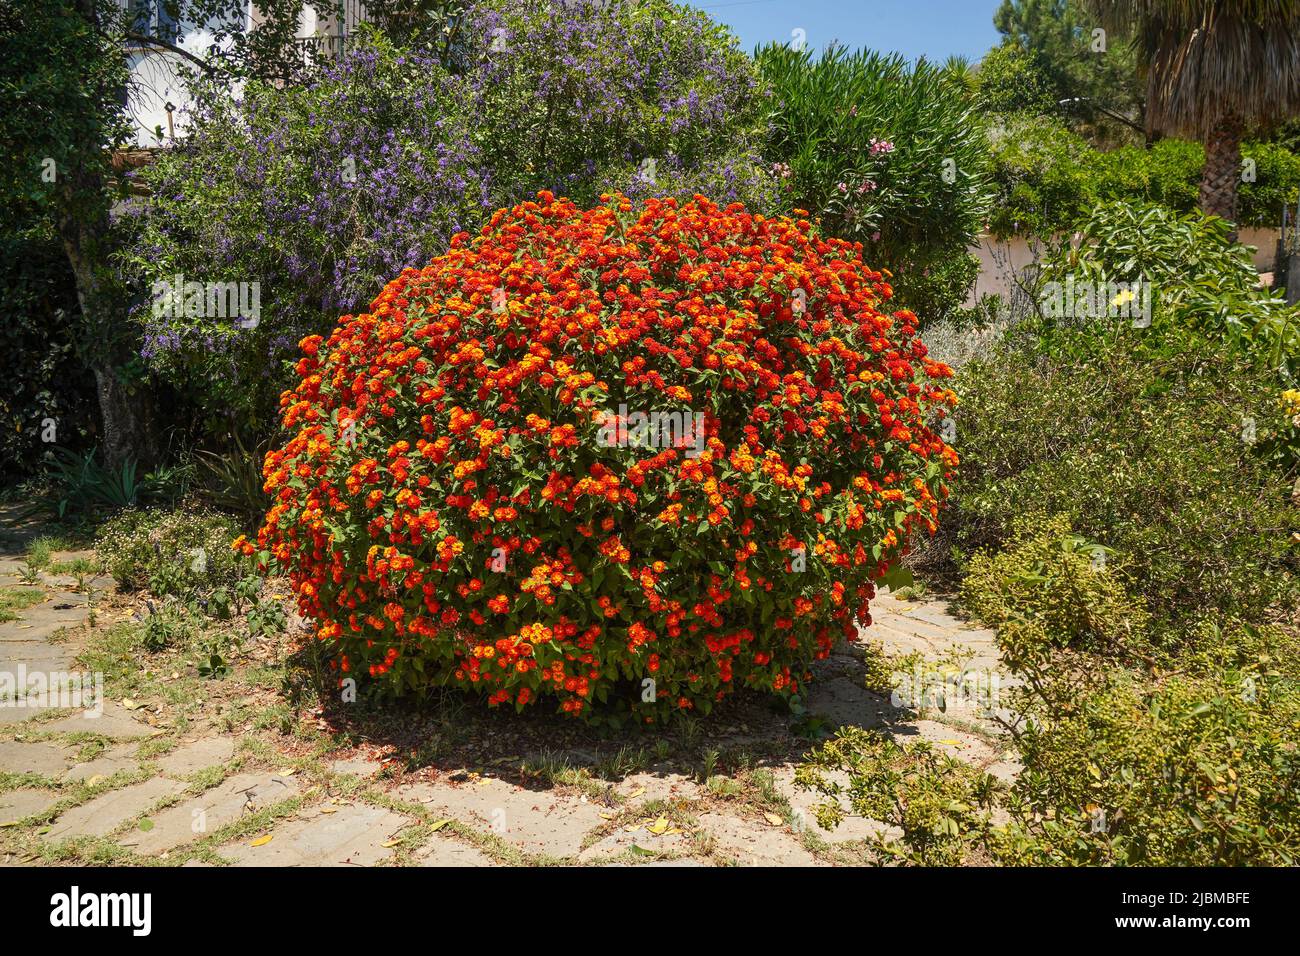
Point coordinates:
[[81, 486], [232, 481]]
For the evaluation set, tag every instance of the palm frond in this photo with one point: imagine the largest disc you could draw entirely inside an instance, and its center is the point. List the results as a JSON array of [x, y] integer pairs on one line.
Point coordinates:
[[1208, 60]]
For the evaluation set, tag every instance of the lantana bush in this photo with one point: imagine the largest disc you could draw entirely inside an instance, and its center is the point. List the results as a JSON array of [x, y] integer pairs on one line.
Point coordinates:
[[621, 461]]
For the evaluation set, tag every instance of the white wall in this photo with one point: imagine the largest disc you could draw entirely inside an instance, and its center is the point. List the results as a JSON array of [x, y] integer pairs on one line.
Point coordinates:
[[1000, 261]]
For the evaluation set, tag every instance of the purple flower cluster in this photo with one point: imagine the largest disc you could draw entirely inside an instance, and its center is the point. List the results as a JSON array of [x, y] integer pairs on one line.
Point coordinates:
[[323, 192], [586, 96]]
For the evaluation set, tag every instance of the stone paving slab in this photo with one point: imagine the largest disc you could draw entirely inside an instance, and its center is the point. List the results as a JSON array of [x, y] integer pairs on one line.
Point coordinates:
[[846, 701], [947, 739], [534, 821], [751, 843], [197, 755], [19, 804], [49, 760], [108, 811], [113, 760], [209, 812], [354, 835], [38, 655], [29, 632], [115, 722], [649, 785], [621, 841], [356, 767], [446, 851], [59, 604]]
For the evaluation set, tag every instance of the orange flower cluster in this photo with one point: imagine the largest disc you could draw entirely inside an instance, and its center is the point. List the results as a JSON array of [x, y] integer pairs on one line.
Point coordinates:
[[451, 509]]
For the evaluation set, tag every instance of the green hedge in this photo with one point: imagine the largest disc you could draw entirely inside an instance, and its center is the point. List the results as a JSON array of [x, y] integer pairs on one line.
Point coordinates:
[[1047, 177]]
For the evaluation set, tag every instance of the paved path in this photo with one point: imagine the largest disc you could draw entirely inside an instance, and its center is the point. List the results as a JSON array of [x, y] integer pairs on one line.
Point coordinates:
[[217, 781]]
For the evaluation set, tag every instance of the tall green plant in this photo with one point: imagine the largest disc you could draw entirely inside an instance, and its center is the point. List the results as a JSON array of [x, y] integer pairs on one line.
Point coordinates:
[[887, 153]]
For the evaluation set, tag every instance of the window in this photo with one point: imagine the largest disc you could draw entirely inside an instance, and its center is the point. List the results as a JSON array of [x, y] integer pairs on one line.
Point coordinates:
[[153, 18]]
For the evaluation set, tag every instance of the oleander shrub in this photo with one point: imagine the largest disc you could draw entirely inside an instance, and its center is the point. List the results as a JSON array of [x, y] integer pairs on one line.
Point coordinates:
[[473, 492], [886, 152], [181, 552]]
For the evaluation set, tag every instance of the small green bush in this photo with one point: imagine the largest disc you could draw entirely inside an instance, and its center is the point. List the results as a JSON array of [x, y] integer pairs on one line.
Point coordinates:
[[1145, 449], [1054, 579], [183, 552], [1195, 770], [935, 801], [1121, 767]]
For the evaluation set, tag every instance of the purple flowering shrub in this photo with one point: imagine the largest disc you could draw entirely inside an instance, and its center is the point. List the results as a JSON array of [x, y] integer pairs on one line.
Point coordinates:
[[317, 194], [643, 97]]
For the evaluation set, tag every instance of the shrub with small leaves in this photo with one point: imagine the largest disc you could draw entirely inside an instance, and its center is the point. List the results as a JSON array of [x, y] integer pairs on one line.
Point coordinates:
[[1056, 582], [472, 493], [938, 804], [185, 553]]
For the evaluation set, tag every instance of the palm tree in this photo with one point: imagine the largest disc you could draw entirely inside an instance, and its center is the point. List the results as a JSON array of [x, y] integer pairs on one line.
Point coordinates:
[[1215, 68]]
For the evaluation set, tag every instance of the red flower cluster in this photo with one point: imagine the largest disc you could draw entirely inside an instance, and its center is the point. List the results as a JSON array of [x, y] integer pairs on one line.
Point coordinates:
[[625, 459]]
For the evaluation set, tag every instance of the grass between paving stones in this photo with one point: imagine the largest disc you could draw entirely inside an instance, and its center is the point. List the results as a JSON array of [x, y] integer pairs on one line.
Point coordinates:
[[249, 826], [23, 840], [275, 700], [16, 599], [671, 814], [41, 550], [495, 847]]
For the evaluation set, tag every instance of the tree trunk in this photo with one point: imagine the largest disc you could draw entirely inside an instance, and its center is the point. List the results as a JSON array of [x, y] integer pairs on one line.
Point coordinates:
[[125, 431], [1222, 170], [83, 226]]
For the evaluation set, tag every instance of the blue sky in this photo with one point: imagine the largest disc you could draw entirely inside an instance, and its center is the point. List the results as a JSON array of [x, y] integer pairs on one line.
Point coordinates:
[[914, 28]]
